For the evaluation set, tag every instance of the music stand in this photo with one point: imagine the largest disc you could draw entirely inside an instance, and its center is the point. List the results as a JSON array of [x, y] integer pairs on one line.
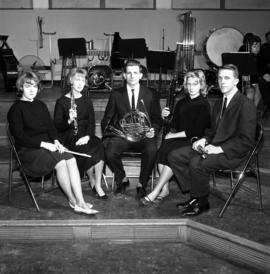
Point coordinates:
[[3, 41], [132, 48], [69, 48], [160, 62], [246, 63]]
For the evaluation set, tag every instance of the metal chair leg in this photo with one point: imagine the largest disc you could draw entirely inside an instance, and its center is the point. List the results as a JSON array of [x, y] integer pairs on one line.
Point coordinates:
[[30, 191], [105, 180], [258, 179], [233, 192]]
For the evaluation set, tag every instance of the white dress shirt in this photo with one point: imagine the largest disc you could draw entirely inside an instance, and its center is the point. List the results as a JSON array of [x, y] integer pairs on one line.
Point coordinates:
[[136, 94]]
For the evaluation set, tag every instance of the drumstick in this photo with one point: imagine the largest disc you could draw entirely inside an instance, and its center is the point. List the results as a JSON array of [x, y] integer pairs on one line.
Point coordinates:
[[77, 153]]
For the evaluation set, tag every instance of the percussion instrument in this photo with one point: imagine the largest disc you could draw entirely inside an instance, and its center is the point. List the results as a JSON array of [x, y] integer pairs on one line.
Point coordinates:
[[220, 41]]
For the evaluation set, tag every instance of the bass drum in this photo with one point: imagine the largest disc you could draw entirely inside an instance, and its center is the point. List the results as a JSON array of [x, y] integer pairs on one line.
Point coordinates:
[[221, 41]]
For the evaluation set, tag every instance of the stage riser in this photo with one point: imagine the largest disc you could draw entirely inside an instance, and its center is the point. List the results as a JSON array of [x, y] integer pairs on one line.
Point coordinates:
[[217, 242]]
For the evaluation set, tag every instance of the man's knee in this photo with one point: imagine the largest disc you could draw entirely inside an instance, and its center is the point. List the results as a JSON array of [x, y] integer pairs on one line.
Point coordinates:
[[195, 162], [150, 149]]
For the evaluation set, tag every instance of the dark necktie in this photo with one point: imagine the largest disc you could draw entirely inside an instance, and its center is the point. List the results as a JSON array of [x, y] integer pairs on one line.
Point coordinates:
[[224, 104], [132, 100]]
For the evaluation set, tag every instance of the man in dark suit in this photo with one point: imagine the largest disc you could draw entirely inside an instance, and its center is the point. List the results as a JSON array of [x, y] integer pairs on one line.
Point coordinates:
[[226, 143], [127, 99]]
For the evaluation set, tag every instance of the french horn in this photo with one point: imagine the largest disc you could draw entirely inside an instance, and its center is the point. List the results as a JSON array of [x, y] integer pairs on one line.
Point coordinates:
[[133, 127]]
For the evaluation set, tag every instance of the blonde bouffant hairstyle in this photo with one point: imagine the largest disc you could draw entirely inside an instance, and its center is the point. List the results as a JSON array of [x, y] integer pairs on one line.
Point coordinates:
[[198, 73]]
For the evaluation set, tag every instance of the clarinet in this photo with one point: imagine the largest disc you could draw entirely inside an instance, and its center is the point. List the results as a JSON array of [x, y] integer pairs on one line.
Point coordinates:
[[73, 107]]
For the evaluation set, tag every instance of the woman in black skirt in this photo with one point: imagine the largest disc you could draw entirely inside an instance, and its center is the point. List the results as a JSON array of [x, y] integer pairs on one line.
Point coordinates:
[[36, 140], [74, 118], [191, 116]]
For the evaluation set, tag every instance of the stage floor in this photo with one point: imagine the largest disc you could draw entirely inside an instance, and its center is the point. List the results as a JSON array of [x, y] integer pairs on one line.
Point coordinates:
[[111, 258]]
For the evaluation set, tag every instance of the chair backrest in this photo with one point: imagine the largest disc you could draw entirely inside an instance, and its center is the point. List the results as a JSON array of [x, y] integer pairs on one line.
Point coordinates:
[[13, 148], [256, 147]]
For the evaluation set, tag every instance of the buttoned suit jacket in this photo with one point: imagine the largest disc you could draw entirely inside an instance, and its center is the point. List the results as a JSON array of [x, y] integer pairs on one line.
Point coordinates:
[[235, 131]]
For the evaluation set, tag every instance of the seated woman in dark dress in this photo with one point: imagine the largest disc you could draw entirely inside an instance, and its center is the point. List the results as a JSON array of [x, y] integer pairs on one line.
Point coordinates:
[[74, 118], [191, 116], [36, 140]]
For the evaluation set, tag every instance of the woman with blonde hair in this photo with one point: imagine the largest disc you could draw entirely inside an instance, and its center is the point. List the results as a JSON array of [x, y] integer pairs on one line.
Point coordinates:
[[191, 116], [74, 118]]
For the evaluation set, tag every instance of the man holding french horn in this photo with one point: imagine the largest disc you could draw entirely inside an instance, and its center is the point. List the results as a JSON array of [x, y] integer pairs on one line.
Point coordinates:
[[132, 121]]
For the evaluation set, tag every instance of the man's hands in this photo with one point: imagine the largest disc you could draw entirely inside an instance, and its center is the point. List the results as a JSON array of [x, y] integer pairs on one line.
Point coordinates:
[[201, 146], [150, 133]]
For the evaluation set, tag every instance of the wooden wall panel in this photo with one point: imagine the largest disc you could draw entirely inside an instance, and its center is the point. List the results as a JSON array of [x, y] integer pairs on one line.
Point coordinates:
[[74, 4], [16, 4], [130, 4], [247, 4], [196, 4]]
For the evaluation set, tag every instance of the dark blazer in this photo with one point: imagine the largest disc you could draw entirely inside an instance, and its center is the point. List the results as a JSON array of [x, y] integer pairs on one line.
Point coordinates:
[[118, 105], [235, 132]]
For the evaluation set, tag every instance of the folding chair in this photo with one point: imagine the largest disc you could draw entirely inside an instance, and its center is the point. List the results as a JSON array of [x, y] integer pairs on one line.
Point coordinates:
[[15, 164], [249, 167]]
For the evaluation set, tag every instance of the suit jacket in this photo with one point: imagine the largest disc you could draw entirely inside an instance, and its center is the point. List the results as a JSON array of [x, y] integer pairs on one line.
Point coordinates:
[[118, 105], [236, 130]]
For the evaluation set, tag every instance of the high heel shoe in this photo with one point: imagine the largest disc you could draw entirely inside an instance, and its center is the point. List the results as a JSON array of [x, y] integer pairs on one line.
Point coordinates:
[[88, 211], [73, 206], [103, 197], [146, 201]]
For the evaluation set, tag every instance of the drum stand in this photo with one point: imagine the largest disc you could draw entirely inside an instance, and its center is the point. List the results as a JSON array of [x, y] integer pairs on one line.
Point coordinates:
[[49, 68]]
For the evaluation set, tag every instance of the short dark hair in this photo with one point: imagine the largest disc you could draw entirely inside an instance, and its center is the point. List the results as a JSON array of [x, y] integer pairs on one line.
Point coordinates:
[[255, 39], [232, 68], [267, 33], [132, 62]]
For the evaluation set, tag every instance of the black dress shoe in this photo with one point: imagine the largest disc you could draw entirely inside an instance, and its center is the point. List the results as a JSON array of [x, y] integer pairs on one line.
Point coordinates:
[[185, 204], [141, 192], [195, 209], [119, 189], [126, 183]]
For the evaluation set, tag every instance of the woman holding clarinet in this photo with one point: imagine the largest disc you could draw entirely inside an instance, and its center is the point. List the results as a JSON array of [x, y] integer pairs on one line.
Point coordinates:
[[74, 118]]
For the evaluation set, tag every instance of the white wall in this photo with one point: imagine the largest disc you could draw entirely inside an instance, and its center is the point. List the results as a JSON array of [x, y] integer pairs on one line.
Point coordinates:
[[21, 27]]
